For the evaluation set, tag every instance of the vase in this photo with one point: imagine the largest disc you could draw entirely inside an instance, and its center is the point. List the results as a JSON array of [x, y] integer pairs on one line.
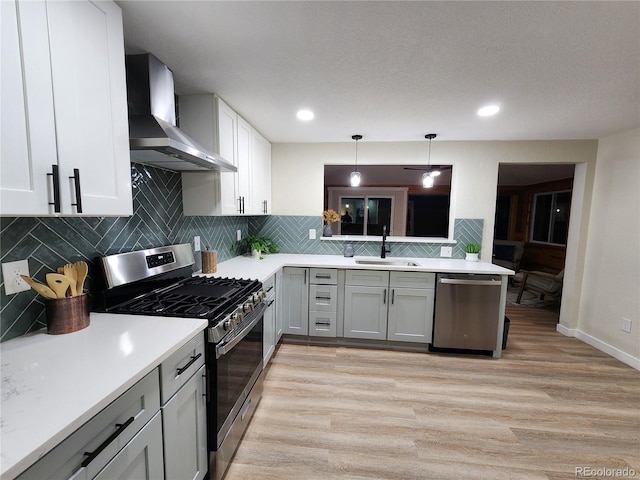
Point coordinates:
[[471, 257], [327, 231], [256, 253]]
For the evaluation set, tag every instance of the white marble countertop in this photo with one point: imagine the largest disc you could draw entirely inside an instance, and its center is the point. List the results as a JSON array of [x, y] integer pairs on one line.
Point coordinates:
[[252, 268], [53, 384]]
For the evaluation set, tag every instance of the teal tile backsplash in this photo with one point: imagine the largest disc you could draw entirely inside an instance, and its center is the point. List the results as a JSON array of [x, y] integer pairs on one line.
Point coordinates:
[[50, 242]]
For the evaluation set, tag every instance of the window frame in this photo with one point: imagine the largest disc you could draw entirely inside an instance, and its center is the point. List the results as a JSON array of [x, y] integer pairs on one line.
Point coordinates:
[[552, 215]]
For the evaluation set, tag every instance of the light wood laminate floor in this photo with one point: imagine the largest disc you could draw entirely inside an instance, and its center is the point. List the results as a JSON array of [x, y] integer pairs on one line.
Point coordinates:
[[551, 405]]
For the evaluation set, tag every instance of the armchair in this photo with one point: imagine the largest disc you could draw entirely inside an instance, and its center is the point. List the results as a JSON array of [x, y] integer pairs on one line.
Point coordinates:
[[541, 282]]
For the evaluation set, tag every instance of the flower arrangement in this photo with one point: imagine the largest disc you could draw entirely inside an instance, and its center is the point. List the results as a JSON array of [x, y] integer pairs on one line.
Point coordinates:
[[330, 216]]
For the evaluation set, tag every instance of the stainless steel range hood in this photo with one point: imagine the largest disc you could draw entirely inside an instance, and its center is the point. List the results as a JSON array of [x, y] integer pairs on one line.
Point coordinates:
[[154, 138]]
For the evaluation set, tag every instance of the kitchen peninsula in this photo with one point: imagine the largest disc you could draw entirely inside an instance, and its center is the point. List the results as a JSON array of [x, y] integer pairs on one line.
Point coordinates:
[[359, 300]]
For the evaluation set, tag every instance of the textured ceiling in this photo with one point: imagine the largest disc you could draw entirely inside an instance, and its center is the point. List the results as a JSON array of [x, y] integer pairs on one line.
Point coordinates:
[[393, 71]]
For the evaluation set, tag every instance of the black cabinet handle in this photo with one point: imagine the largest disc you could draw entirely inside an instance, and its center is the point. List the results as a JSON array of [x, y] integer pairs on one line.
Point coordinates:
[[326, 323], [242, 205], [323, 276], [393, 295], [189, 363], [322, 298], [384, 300], [270, 288], [120, 427], [239, 204], [76, 181], [56, 188], [270, 303]]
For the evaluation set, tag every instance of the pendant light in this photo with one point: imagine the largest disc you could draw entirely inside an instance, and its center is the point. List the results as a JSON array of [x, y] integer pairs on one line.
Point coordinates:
[[355, 175], [428, 176]]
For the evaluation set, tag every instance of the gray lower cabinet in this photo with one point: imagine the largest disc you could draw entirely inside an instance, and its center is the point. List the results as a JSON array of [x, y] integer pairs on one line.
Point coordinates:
[[116, 443], [365, 312], [382, 305], [141, 458], [184, 418], [295, 301], [269, 336], [278, 305], [411, 307]]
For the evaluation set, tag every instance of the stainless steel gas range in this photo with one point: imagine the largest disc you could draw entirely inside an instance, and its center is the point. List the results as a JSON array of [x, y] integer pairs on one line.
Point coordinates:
[[159, 281]]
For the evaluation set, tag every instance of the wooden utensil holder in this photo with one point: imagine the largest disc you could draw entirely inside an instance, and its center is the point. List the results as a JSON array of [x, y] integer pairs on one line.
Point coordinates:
[[66, 315], [209, 262]]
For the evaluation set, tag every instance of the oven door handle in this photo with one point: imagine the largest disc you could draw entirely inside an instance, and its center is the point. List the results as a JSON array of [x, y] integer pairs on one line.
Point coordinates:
[[224, 347]]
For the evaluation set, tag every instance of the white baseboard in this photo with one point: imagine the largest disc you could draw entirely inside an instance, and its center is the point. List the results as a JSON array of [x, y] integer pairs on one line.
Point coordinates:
[[600, 345]]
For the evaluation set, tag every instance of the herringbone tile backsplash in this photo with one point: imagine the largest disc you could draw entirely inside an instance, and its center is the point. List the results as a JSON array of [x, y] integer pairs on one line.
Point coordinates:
[[50, 242]]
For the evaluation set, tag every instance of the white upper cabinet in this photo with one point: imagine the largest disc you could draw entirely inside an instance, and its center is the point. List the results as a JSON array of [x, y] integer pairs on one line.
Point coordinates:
[[215, 125], [65, 138]]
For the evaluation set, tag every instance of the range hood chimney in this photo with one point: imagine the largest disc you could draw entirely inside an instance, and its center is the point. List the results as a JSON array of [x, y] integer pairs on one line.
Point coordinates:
[[154, 138]]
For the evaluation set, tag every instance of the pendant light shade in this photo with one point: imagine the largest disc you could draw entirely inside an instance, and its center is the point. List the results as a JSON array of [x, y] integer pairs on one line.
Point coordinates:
[[428, 176], [355, 177]]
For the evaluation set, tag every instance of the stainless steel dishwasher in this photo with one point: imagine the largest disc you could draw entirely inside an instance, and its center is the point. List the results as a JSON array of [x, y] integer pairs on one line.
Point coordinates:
[[467, 311]]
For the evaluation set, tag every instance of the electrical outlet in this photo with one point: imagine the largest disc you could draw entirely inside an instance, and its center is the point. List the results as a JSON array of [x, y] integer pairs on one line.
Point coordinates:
[[11, 272], [312, 234], [626, 325], [446, 251], [238, 235], [196, 244]]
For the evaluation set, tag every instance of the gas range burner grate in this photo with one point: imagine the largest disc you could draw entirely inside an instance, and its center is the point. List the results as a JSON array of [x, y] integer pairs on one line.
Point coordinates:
[[196, 297]]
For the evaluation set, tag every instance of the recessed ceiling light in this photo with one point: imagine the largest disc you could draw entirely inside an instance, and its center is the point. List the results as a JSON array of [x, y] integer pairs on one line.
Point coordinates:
[[488, 110], [305, 115]]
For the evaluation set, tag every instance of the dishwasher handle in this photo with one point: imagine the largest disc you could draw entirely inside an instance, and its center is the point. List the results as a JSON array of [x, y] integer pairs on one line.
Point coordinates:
[[458, 281]]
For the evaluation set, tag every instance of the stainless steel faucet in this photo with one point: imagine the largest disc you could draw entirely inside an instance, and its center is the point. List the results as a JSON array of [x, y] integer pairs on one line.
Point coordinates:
[[384, 250]]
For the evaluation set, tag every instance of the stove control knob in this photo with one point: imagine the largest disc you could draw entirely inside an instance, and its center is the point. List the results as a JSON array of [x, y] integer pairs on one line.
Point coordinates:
[[229, 324], [262, 295], [247, 307], [237, 318]]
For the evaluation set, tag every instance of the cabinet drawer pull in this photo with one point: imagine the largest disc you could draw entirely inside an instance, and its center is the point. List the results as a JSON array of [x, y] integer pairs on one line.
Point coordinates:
[[56, 188], [189, 363], [270, 288], [76, 182], [323, 298], [120, 427], [326, 323], [270, 303], [384, 300], [393, 295], [323, 276]]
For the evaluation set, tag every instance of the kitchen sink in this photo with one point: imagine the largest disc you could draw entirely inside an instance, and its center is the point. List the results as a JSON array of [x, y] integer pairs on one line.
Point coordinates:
[[386, 261]]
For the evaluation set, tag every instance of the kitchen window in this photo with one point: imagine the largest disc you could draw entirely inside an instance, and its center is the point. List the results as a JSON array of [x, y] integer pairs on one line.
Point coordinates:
[[551, 217]]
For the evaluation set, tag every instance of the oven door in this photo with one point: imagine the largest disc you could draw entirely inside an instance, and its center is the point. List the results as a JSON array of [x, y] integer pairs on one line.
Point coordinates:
[[234, 366]]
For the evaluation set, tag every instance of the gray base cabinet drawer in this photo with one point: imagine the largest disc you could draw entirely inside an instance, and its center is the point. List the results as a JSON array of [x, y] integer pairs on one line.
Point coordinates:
[[105, 434], [323, 276], [322, 324], [323, 298], [179, 367], [141, 458]]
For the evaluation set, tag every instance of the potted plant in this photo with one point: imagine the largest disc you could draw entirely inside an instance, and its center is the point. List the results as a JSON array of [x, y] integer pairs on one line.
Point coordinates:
[[473, 250], [328, 217], [257, 245]]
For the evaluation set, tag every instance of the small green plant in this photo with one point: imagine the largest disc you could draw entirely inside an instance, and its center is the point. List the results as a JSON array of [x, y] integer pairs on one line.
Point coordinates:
[[472, 248], [255, 242]]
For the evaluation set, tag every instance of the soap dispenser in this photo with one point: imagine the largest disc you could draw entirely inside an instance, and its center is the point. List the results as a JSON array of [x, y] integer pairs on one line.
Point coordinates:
[[348, 250]]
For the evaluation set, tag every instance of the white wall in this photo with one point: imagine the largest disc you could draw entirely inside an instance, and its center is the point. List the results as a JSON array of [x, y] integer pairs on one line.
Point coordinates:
[[611, 284], [298, 170]]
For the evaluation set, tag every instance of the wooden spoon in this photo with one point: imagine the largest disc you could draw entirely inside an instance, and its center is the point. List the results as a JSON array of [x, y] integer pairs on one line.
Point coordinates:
[[41, 288], [58, 283], [82, 269], [71, 274]]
